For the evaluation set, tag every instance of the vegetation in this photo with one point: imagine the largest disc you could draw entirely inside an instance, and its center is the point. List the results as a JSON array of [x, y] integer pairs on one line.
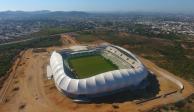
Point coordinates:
[[177, 62], [168, 54], [180, 106], [147, 31], [8, 52], [88, 66], [40, 39], [52, 31]]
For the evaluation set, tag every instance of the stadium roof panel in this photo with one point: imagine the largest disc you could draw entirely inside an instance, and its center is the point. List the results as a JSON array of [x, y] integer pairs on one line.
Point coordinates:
[[101, 83]]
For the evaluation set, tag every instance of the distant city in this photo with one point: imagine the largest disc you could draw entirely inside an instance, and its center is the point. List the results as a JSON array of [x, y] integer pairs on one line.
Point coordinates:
[[19, 25]]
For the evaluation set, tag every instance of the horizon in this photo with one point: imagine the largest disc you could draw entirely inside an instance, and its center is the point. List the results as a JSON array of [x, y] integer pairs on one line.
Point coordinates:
[[161, 6], [101, 12]]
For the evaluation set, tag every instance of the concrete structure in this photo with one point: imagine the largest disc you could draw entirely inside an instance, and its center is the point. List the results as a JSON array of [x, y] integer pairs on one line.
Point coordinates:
[[130, 74]]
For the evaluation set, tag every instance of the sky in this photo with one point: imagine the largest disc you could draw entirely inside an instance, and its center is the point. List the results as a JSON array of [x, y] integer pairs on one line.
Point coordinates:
[[177, 6]]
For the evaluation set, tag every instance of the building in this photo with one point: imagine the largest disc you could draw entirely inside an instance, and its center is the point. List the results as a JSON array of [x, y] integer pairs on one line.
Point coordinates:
[[129, 75]]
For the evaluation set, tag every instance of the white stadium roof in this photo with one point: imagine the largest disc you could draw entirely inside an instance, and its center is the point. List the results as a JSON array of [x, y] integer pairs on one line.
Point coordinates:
[[98, 84]]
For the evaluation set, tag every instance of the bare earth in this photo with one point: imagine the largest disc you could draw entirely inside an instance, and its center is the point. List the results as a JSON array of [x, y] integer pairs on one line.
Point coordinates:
[[28, 90]]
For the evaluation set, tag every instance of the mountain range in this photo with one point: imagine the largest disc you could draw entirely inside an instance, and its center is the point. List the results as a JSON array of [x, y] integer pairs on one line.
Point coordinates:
[[61, 15]]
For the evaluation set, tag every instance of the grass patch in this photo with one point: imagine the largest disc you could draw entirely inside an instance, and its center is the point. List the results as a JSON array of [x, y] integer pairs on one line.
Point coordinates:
[[88, 66]]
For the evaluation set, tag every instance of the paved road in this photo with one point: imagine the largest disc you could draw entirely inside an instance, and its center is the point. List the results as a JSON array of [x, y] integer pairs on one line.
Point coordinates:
[[24, 40], [15, 42]]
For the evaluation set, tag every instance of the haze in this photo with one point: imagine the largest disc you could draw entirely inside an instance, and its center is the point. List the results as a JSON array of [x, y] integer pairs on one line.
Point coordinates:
[[170, 6]]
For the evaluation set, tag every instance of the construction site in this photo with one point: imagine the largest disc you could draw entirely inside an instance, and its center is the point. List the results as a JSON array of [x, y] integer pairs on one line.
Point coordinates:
[[27, 89]]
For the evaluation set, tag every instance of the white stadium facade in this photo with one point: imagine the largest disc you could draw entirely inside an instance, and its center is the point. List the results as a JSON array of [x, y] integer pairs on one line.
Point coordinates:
[[131, 73]]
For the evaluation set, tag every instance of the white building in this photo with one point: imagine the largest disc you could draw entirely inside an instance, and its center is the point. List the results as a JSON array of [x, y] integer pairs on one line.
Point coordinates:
[[130, 74]]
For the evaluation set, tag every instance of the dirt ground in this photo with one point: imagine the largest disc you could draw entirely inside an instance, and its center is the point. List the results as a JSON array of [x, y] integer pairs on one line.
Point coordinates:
[[28, 90], [66, 40]]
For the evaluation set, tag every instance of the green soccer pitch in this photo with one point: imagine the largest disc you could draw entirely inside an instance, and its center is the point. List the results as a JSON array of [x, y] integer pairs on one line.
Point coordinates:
[[87, 66]]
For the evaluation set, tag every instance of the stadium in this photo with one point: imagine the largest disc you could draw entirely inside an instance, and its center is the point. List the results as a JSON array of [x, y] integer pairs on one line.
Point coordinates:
[[87, 71]]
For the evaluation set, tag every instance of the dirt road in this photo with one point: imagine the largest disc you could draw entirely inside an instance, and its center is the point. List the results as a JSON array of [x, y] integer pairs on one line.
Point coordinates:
[[27, 88], [30, 91], [188, 88]]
